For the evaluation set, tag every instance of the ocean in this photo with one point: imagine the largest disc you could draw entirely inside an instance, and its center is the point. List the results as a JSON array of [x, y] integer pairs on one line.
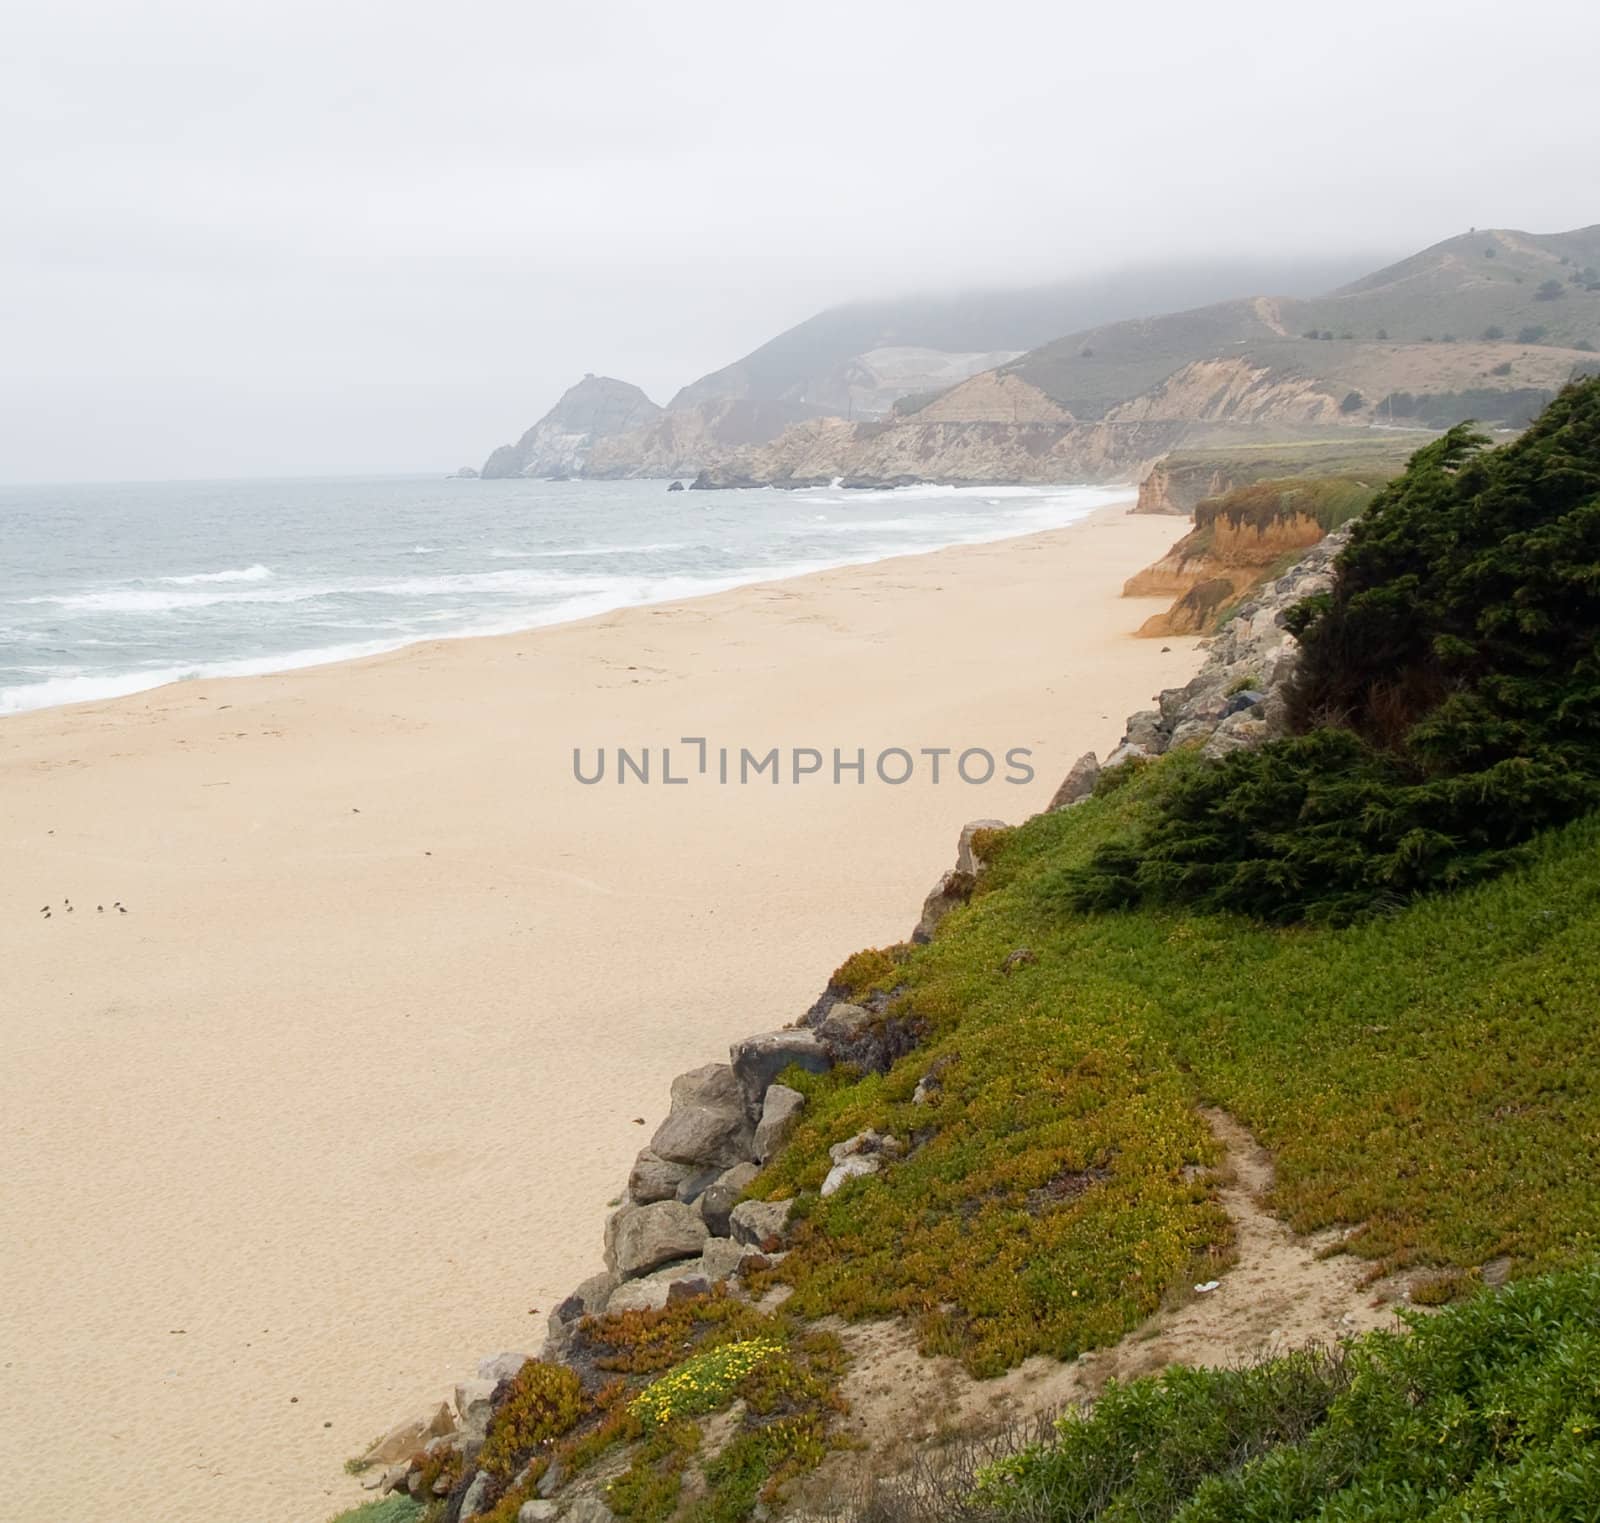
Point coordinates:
[[108, 589]]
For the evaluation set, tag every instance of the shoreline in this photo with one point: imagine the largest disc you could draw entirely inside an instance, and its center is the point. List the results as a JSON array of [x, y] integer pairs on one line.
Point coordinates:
[[126, 684], [393, 988]]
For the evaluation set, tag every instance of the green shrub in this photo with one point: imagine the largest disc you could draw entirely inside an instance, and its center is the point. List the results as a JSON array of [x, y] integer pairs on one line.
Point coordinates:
[[1488, 1411], [1447, 704]]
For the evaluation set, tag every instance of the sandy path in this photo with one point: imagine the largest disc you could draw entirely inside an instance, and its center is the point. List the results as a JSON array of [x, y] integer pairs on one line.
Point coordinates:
[[342, 1098]]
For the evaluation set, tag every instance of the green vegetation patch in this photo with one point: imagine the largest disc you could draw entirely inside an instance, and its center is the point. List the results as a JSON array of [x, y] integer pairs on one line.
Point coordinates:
[[389, 1510], [1487, 1411], [1420, 1079]]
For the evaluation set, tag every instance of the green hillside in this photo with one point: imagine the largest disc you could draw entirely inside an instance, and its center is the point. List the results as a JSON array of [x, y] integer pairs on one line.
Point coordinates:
[[1528, 300]]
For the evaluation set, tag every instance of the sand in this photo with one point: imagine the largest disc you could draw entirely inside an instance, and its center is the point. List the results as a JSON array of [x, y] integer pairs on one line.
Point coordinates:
[[338, 1105]]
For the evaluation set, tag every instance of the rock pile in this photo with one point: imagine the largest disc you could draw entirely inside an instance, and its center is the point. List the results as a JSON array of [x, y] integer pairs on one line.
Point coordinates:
[[1236, 699]]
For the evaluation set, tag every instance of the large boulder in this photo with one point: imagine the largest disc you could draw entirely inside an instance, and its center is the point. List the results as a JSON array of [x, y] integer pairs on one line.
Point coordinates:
[[1079, 782], [655, 1178], [760, 1222], [588, 1300], [502, 1366], [719, 1199], [967, 860], [475, 1496], [758, 1060], [642, 1238], [475, 1406], [708, 1126], [405, 1439], [722, 1258], [780, 1111], [956, 886], [653, 1291]]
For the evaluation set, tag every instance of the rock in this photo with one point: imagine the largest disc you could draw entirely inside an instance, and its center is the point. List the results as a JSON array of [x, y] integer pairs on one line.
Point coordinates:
[[1123, 755], [1078, 784], [501, 1366], [1238, 732], [538, 1510], [687, 1288], [394, 1478], [677, 486], [708, 1126], [465, 473], [780, 1111], [1248, 698], [758, 1060], [722, 1258], [967, 861], [647, 1294], [654, 1178], [760, 1222], [588, 1300], [950, 892], [405, 1439], [719, 1199], [956, 886], [869, 1142], [589, 1509], [475, 1406], [1191, 732], [857, 1166], [472, 1501], [1144, 729], [698, 1183], [642, 1238]]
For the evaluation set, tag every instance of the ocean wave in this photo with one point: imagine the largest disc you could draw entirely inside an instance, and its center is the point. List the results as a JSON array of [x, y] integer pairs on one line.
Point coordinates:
[[257, 573], [583, 550], [147, 600], [75, 686]]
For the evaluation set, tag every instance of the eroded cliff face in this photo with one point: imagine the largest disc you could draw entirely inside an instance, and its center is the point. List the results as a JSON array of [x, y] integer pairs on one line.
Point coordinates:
[[992, 398], [1238, 540], [1233, 391], [685, 440], [975, 452], [1169, 488]]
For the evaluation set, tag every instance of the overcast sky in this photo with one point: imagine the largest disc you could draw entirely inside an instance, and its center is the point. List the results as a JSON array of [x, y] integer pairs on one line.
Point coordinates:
[[246, 238]]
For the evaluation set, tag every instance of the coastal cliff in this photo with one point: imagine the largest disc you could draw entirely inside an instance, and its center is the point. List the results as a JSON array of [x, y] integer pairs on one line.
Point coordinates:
[[597, 408], [1237, 541]]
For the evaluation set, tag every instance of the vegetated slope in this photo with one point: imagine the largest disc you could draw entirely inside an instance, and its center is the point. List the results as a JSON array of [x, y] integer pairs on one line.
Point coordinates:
[[1388, 332], [1240, 539], [817, 360], [1447, 705], [1485, 1411], [1418, 1079], [1185, 478]]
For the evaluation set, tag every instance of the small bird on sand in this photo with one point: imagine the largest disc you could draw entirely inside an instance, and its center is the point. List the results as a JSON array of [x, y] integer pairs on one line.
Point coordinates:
[[99, 909], [122, 909]]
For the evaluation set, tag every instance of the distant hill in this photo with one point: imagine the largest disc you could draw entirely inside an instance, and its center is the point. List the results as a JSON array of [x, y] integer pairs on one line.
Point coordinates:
[[855, 360], [598, 407], [1531, 293]]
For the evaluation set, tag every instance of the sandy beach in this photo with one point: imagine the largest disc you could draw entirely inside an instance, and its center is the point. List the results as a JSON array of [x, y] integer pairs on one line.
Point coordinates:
[[337, 1106]]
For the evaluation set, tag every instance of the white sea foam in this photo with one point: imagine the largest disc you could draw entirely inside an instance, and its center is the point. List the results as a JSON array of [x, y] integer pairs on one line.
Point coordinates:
[[233, 574]]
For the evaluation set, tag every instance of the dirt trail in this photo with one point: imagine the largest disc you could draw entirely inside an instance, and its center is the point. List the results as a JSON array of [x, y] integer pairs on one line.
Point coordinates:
[[1280, 1294], [1267, 311]]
